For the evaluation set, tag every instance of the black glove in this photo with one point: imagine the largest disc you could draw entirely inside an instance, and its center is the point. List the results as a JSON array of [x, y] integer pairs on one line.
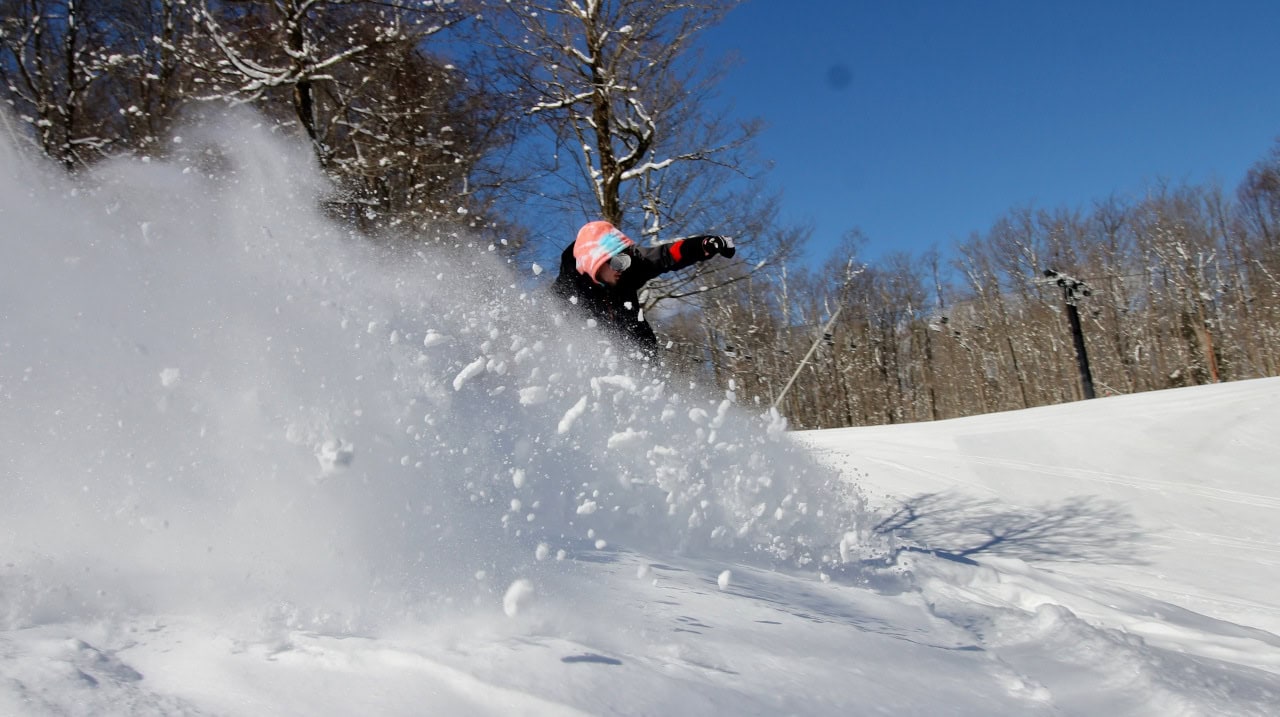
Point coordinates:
[[719, 245]]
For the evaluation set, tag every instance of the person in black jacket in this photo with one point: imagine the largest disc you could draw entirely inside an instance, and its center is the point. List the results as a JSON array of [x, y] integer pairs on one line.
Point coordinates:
[[603, 271]]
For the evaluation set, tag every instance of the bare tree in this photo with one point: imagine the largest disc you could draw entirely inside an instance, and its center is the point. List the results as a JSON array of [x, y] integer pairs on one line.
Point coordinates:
[[630, 128], [149, 85], [408, 134], [247, 50], [52, 54], [619, 86], [1259, 197]]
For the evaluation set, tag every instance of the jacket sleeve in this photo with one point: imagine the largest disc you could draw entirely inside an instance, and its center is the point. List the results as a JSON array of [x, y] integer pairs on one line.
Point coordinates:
[[672, 256]]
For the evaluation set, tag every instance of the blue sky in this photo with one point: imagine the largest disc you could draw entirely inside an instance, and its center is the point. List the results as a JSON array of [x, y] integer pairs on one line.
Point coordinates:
[[924, 121]]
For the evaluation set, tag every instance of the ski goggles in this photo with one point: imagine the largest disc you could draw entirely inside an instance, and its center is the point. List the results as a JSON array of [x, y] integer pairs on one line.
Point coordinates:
[[620, 262]]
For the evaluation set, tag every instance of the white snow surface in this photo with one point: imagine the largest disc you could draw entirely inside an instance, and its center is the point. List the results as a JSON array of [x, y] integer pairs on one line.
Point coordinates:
[[244, 472]]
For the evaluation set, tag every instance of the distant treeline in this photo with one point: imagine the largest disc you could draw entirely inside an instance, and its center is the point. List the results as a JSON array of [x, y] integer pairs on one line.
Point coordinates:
[[1177, 287]]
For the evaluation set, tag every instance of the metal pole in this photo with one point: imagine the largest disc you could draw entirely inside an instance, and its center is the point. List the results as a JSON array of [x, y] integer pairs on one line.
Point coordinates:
[[803, 361], [1069, 288], [849, 274], [1082, 356]]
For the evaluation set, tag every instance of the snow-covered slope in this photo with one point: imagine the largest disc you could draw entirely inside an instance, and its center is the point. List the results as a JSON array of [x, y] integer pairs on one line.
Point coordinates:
[[1180, 488], [253, 467]]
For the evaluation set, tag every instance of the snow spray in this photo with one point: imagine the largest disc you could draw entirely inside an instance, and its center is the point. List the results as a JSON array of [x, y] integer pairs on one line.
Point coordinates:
[[212, 397]]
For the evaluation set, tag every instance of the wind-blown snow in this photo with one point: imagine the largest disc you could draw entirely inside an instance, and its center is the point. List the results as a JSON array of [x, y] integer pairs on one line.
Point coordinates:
[[253, 465]]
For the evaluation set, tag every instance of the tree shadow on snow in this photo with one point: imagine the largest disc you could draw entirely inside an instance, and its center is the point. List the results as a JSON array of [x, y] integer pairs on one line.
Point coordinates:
[[957, 527]]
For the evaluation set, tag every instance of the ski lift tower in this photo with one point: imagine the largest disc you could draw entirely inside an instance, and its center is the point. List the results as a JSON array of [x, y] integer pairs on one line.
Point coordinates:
[[1072, 289]]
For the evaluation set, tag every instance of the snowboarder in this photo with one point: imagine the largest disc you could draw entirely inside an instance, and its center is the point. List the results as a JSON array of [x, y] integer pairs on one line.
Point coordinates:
[[603, 271]]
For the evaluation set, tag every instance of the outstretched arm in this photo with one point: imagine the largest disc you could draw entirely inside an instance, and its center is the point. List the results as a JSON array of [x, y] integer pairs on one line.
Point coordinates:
[[672, 256]]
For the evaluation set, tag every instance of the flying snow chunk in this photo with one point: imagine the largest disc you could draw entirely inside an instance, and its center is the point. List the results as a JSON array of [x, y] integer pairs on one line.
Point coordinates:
[[518, 596], [723, 580], [533, 395], [335, 455], [721, 412], [777, 424], [433, 337], [169, 377], [627, 438], [848, 544], [537, 269], [572, 415], [622, 383], [473, 369], [588, 507]]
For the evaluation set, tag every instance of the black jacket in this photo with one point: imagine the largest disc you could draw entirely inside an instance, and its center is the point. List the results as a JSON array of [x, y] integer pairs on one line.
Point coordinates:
[[617, 308]]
